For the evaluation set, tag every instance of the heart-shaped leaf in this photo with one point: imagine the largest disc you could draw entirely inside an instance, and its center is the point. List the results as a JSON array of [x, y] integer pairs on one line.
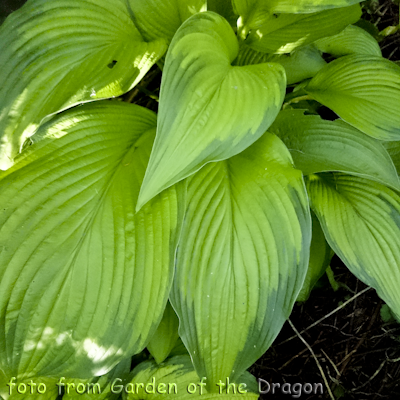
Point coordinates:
[[318, 145], [361, 222], [364, 91], [56, 54], [209, 110], [84, 280], [352, 40], [161, 18], [242, 257], [283, 33]]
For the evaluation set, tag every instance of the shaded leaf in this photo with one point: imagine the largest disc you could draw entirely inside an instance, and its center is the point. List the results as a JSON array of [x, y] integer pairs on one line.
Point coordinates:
[[166, 336], [242, 257], [361, 222], [84, 279], [320, 257], [362, 90], [319, 145], [393, 148], [56, 54], [157, 19], [209, 110]]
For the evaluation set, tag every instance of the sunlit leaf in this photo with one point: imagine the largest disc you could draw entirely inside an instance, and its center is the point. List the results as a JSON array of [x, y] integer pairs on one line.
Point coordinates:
[[166, 336], [209, 110], [319, 145], [84, 280], [242, 257], [176, 379], [161, 18], [352, 40], [55, 54], [283, 33], [361, 222], [364, 91]]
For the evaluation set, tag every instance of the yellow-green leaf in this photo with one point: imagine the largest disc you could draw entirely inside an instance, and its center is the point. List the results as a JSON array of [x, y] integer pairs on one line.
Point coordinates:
[[56, 54], [84, 279], [362, 90], [209, 110], [242, 257]]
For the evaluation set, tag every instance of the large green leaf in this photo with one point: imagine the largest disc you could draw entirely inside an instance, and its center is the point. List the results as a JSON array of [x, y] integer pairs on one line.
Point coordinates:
[[352, 40], [318, 145], [55, 54], [282, 33], [364, 91], [209, 109], [176, 379], [84, 280], [161, 18], [166, 336], [320, 257], [361, 221], [242, 257], [301, 64], [223, 8]]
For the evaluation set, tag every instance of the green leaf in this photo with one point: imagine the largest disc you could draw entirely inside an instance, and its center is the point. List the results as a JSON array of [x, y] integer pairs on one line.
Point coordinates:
[[362, 90], [393, 148], [176, 379], [352, 40], [361, 222], [157, 19], [56, 54], [96, 388], [283, 33], [84, 279], [242, 257], [166, 336], [301, 64], [320, 257], [223, 8], [319, 145], [209, 110]]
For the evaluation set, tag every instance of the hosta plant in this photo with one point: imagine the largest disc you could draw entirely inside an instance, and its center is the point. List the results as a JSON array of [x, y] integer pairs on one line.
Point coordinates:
[[191, 231]]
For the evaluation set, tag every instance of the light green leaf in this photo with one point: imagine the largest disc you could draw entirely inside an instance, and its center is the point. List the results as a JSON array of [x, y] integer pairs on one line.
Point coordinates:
[[283, 33], [320, 257], [176, 379], [84, 279], [362, 90], [319, 145], [161, 18], [361, 222], [56, 54], [96, 388], [209, 110], [301, 64], [242, 257], [352, 40], [12, 388], [166, 336], [393, 148]]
